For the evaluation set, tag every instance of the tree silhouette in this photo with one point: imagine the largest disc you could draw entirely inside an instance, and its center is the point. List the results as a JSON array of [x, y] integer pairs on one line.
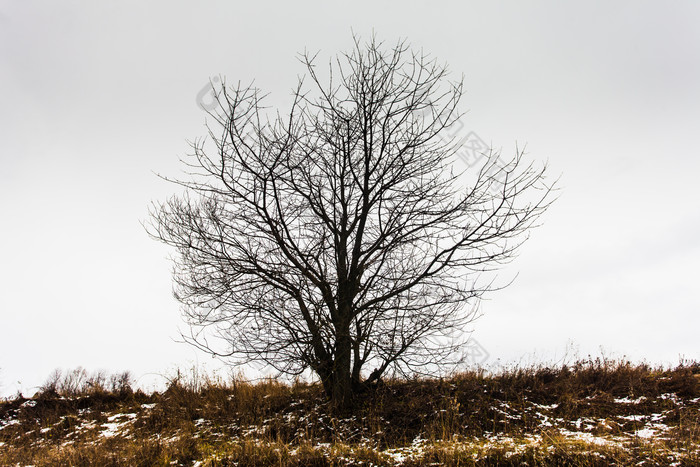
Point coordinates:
[[338, 238]]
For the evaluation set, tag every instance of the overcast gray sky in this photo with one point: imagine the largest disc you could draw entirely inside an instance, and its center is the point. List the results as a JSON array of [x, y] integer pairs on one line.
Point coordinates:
[[98, 95]]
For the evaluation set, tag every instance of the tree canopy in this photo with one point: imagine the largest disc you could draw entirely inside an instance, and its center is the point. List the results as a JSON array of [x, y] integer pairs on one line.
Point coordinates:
[[340, 236]]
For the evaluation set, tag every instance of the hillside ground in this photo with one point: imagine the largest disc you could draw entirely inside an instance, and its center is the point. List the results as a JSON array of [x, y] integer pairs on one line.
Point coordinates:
[[594, 412]]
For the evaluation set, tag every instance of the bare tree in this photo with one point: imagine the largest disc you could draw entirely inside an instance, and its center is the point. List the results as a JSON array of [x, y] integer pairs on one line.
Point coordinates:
[[338, 238]]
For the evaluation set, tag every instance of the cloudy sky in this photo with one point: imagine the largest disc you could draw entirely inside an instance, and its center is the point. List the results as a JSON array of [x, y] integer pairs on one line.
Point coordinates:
[[96, 96]]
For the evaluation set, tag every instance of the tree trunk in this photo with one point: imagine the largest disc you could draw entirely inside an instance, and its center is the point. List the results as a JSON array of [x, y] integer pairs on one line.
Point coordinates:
[[342, 395]]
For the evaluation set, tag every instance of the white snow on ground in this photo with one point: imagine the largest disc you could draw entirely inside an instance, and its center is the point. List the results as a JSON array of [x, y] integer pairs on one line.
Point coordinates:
[[545, 419], [651, 430], [128, 416], [112, 428], [545, 407], [655, 417], [631, 418], [85, 425], [651, 426], [644, 427], [504, 410], [12, 421], [627, 400], [645, 433], [588, 423], [590, 438], [414, 451]]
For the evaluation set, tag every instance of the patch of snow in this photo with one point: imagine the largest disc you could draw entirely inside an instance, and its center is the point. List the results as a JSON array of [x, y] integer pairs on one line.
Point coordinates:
[[652, 429], [544, 422], [627, 400], [396, 455], [4, 424], [631, 418], [29, 403], [86, 426], [645, 433], [253, 430], [547, 407], [116, 423], [412, 452], [110, 429], [656, 417], [111, 418], [589, 438], [590, 423], [506, 414], [605, 424]]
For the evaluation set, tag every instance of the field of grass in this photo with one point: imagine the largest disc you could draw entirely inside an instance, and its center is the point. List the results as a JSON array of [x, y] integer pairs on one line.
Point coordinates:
[[592, 413]]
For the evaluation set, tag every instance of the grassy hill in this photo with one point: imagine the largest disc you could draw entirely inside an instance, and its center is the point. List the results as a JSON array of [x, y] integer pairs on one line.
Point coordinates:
[[590, 413]]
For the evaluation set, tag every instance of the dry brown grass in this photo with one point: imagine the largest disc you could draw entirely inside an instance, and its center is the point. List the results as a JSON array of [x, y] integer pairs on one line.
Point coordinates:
[[592, 413]]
